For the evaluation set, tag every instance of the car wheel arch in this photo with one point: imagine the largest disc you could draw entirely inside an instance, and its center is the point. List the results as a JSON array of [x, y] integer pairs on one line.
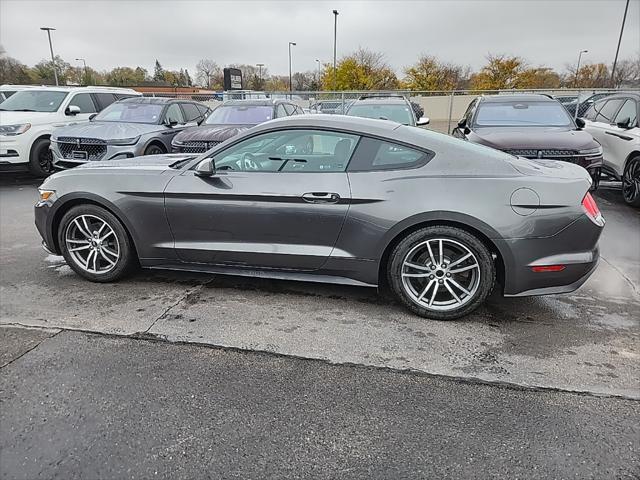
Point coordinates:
[[72, 200], [480, 230], [42, 136], [633, 154], [157, 143]]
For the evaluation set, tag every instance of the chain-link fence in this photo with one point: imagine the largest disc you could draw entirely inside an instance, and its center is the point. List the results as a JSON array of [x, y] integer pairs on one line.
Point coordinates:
[[443, 107]]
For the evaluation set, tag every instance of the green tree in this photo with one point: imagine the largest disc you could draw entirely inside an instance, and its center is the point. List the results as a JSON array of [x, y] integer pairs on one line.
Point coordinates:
[[158, 72], [361, 70], [125, 76], [501, 72]]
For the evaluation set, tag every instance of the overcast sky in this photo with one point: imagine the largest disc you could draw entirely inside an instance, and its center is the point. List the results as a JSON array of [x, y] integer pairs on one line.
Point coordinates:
[[179, 33]]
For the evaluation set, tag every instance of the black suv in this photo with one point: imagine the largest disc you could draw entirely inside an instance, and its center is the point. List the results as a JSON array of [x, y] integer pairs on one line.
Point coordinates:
[[388, 107], [531, 126], [228, 120]]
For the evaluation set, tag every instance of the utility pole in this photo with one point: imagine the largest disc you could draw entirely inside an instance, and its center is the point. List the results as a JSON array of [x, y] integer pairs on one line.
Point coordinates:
[[319, 73], [290, 84], [335, 36], [615, 61], [575, 83], [53, 59], [260, 65]]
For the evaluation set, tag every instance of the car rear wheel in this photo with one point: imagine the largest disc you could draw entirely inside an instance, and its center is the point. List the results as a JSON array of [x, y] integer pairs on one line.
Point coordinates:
[[631, 182], [154, 149], [41, 158], [441, 272], [95, 244]]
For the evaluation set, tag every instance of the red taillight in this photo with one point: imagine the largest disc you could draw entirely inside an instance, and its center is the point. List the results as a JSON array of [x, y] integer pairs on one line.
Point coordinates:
[[591, 209], [548, 268]]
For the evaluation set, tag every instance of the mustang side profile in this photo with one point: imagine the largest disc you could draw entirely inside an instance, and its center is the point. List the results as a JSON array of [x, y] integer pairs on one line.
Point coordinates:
[[335, 199]]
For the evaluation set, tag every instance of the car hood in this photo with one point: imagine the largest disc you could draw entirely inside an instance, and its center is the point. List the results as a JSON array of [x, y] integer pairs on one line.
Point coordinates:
[[507, 138], [35, 118], [148, 163], [211, 133], [107, 130]]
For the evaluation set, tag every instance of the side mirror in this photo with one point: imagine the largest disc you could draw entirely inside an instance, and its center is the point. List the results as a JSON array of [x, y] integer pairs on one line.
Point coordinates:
[[205, 168], [422, 121], [170, 122], [624, 123], [72, 110], [462, 122], [580, 122], [92, 116]]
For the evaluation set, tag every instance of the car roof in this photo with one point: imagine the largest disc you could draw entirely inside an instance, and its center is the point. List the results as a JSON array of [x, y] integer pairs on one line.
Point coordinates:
[[67, 88], [635, 95], [152, 100], [517, 97], [335, 122], [254, 102], [377, 99]]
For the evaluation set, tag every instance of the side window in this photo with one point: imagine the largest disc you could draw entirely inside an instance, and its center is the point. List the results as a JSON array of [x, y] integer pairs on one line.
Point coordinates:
[[299, 110], [280, 111], [591, 112], [629, 110], [84, 101], [469, 112], [373, 155], [607, 112], [191, 112], [305, 151], [174, 113], [104, 99], [291, 109]]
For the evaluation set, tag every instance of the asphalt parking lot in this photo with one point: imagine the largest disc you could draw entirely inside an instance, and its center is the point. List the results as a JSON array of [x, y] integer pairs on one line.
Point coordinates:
[[573, 353]]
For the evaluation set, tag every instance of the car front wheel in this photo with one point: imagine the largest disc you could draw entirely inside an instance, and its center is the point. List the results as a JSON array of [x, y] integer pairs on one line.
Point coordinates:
[[95, 244], [631, 182], [41, 158], [441, 272]]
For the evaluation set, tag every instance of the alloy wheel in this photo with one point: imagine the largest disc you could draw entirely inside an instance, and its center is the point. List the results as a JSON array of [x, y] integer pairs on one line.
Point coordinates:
[[92, 244], [45, 160], [631, 182], [440, 274]]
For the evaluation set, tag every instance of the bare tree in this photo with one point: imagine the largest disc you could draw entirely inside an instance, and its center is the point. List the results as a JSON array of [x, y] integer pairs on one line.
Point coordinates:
[[207, 72]]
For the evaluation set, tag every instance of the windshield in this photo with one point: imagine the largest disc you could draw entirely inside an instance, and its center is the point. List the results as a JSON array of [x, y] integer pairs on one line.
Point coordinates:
[[397, 113], [131, 113], [541, 114], [34, 101], [240, 115]]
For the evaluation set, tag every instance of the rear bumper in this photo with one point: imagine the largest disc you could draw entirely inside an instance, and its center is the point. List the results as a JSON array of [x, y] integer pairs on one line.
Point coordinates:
[[575, 247]]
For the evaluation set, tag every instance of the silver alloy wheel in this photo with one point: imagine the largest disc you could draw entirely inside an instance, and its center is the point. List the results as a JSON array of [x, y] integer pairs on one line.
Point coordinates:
[[631, 182], [440, 274], [92, 244]]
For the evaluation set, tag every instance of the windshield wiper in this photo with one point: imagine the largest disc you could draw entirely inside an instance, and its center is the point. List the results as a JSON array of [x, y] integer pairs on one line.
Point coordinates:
[[20, 110]]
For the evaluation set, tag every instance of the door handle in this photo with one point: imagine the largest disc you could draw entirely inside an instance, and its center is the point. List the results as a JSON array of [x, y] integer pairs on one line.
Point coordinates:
[[321, 197]]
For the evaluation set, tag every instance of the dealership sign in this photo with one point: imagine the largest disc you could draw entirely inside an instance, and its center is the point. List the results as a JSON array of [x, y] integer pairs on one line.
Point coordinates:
[[232, 79]]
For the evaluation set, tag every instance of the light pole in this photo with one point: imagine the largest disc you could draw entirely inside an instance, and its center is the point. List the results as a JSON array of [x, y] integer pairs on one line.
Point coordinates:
[[86, 79], [319, 74], [260, 65], [615, 61], [335, 36], [575, 84], [290, 84], [53, 60]]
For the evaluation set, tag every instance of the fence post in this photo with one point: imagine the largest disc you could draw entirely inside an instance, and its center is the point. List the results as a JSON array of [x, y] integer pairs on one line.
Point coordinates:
[[450, 112], [342, 101]]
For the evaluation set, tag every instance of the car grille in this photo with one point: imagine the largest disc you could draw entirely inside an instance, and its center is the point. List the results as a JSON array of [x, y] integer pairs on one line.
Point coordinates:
[[566, 155], [197, 147], [73, 148]]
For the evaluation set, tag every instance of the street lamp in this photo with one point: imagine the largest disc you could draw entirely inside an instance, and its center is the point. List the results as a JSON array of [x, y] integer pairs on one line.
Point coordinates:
[[335, 36], [319, 74], [86, 79], [290, 84], [260, 65], [53, 60], [575, 114]]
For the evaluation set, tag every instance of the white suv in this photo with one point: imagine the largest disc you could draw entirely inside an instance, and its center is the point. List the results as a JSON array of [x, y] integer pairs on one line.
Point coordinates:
[[613, 121], [29, 116]]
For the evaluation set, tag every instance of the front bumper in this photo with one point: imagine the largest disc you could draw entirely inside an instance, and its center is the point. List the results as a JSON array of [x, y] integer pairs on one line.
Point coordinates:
[[575, 247], [13, 155], [113, 152]]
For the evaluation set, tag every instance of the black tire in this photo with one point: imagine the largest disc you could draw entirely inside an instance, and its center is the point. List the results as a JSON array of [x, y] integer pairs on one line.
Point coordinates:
[[127, 258], [631, 182], [154, 149], [41, 158], [483, 275]]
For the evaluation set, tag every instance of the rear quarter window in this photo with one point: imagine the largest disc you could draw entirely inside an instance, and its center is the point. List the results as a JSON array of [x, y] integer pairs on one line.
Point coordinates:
[[375, 155]]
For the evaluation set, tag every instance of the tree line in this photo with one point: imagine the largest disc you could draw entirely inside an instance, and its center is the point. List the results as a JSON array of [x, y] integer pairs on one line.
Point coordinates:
[[362, 69]]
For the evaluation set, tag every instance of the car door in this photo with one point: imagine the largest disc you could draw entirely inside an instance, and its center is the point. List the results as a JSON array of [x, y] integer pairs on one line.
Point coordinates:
[[84, 101], [604, 113], [620, 139], [277, 200]]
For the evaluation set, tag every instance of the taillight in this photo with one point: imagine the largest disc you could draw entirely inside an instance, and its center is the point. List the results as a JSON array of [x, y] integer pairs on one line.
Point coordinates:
[[591, 209]]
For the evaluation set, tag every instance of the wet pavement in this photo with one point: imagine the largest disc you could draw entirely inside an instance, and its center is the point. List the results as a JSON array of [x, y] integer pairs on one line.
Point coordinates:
[[586, 341]]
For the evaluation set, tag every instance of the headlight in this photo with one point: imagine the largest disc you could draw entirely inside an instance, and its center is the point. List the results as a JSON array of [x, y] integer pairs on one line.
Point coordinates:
[[45, 195], [10, 130], [177, 143], [592, 151], [124, 141]]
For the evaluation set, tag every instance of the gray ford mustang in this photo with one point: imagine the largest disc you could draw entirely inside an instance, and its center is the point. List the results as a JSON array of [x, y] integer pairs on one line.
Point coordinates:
[[335, 199]]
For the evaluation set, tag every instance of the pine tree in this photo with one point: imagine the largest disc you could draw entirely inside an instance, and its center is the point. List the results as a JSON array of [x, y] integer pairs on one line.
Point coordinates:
[[158, 74]]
